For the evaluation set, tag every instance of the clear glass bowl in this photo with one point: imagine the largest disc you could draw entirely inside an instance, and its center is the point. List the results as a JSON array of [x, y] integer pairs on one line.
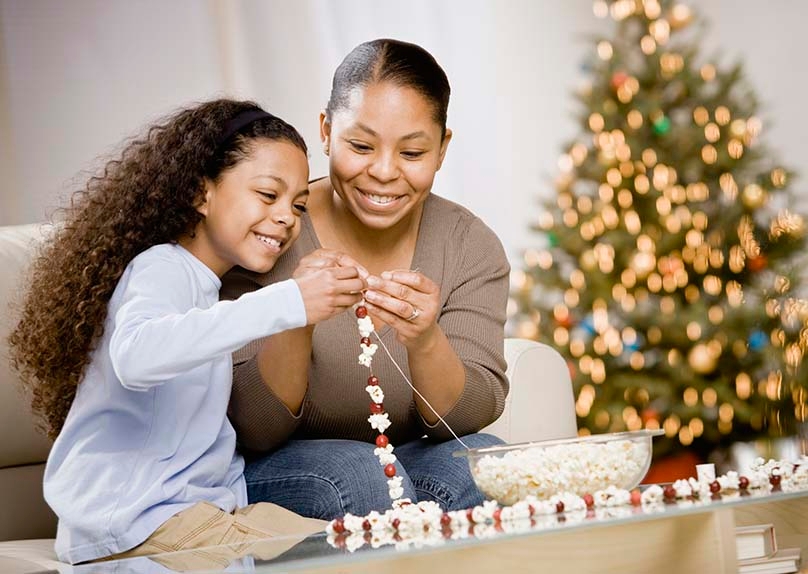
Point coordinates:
[[580, 465]]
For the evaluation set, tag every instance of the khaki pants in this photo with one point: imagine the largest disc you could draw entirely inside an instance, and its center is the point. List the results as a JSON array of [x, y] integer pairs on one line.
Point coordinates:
[[203, 529]]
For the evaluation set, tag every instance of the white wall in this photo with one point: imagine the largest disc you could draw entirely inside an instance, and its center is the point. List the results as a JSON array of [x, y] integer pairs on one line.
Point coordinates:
[[76, 77]]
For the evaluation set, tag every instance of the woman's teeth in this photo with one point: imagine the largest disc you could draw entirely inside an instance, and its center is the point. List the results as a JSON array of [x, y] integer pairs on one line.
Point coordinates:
[[382, 199]]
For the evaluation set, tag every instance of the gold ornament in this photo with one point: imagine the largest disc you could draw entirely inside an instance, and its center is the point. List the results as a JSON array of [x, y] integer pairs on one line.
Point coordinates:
[[753, 196], [701, 359]]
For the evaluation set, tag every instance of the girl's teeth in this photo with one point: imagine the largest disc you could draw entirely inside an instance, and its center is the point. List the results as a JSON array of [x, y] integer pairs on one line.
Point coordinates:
[[269, 241]]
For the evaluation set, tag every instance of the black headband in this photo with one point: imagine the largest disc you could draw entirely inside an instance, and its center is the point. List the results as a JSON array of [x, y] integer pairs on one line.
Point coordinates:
[[240, 121]]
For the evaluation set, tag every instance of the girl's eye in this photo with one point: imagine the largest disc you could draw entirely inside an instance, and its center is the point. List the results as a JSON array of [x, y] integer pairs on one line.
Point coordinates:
[[301, 207], [268, 196]]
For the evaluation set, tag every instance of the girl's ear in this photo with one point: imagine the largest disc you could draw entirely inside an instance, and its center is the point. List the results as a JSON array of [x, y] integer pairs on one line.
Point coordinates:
[[202, 204]]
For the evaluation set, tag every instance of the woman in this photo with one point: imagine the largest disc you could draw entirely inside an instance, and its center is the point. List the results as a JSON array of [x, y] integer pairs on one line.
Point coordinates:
[[437, 292]]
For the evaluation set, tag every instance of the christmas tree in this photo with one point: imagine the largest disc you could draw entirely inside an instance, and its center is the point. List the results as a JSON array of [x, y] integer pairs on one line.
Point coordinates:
[[666, 269]]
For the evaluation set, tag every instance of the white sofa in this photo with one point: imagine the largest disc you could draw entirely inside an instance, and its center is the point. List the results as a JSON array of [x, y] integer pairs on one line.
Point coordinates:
[[539, 407]]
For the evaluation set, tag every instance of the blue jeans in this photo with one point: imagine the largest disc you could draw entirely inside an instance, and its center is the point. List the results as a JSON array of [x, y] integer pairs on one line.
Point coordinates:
[[327, 478]]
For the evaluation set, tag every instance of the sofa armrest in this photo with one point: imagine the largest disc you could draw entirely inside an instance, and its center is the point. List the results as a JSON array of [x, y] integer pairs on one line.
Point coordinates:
[[540, 405]]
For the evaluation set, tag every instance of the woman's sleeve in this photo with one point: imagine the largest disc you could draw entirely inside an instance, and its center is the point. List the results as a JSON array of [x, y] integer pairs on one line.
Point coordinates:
[[473, 319], [262, 421]]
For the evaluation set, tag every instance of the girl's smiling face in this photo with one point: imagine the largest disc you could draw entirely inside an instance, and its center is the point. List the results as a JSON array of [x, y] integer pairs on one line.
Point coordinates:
[[385, 148], [252, 213]]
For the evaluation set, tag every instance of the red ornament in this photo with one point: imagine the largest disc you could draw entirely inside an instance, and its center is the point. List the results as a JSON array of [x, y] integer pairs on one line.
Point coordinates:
[[715, 487], [382, 441], [376, 408], [618, 79], [365, 341], [339, 526], [669, 492], [743, 483], [559, 507], [361, 311], [373, 380], [589, 500], [636, 497], [758, 263], [390, 470]]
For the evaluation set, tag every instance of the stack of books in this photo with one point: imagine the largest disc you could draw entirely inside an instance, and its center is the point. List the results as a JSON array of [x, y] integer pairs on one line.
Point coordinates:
[[758, 553]]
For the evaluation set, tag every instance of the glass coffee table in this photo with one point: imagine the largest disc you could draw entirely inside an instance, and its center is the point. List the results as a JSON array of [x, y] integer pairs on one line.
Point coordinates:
[[686, 536]]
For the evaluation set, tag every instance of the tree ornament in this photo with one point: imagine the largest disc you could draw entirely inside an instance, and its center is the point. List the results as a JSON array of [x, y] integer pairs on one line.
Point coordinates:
[[618, 79], [758, 263], [758, 340], [701, 359], [661, 125]]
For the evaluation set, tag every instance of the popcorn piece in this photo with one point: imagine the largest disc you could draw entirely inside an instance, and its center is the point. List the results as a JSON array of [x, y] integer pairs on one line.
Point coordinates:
[[379, 421]]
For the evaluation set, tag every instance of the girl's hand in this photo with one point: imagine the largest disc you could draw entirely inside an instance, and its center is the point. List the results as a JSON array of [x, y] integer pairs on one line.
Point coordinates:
[[326, 258], [407, 301], [330, 282]]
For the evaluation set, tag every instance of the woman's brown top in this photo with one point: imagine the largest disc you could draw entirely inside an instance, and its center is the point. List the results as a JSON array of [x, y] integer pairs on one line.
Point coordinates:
[[460, 254]]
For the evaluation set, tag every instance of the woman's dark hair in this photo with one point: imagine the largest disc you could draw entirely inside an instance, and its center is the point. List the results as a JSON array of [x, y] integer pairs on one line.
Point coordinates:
[[146, 196], [401, 63]]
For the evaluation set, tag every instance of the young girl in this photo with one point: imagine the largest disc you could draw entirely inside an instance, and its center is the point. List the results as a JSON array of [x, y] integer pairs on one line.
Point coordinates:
[[127, 350]]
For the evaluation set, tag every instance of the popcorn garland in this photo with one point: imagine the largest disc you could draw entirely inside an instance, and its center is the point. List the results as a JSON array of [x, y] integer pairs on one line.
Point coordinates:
[[426, 524], [378, 419]]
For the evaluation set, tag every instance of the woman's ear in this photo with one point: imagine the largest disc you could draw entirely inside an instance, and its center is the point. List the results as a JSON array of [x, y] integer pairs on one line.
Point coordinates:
[[325, 132], [443, 146]]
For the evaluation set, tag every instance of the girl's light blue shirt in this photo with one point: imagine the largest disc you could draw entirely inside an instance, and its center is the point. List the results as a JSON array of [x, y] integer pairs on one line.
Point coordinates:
[[147, 435]]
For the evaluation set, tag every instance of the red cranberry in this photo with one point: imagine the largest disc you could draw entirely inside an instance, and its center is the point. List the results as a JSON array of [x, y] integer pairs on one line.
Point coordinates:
[[445, 519], [715, 487], [470, 515], [339, 526], [636, 497], [589, 500], [366, 524], [395, 523], [365, 341], [497, 515], [361, 311], [382, 441], [373, 380], [376, 408], [775, 479], [531, 509], [669, 492], [390, 470], [743, 483], [559, 507]]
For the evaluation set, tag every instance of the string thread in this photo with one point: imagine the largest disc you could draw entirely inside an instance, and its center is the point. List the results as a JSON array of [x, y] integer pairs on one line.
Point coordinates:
[[426, 402]]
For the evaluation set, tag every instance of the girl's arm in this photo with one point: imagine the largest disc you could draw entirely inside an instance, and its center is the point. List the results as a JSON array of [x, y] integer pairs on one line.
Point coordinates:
[[158, 334]]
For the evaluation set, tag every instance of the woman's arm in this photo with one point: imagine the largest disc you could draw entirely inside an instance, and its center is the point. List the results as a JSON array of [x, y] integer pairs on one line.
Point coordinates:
[[455, 353], [270, 376]]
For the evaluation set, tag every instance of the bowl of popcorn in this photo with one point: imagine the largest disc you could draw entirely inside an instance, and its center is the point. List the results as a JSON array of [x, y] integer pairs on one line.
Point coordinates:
[[581, 465]]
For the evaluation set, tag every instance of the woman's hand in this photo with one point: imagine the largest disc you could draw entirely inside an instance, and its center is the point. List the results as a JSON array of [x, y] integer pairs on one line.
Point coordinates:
[[407, 301]]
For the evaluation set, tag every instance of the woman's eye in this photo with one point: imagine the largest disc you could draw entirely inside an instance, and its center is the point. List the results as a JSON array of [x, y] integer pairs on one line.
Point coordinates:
[[301, 208], [268, 196], [412, 154], [360, 147]]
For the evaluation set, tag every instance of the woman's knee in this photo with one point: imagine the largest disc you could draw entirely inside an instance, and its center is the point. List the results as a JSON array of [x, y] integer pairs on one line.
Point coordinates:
[[343, 476]]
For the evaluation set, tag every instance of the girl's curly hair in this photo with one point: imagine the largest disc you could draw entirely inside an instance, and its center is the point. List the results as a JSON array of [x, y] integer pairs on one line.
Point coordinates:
[[147, 196]]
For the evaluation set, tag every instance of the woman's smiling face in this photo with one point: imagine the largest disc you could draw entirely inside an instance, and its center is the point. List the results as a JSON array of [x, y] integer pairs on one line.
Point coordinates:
[[385, 148]]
